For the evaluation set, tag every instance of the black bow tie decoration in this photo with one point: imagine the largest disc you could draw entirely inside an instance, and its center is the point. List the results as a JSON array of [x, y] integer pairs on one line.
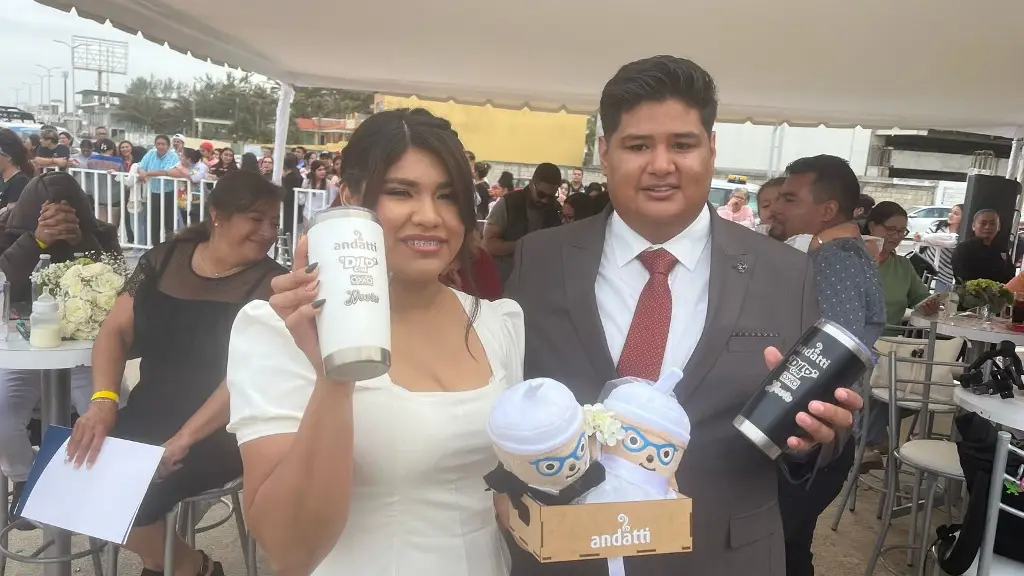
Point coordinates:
[[504, 482]]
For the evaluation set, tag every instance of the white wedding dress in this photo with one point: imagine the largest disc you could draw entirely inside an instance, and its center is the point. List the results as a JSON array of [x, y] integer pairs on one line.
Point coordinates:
[[419, 503]]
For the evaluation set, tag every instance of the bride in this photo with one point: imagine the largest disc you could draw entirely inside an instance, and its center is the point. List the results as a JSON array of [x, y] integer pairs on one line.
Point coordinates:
[[380, 477]]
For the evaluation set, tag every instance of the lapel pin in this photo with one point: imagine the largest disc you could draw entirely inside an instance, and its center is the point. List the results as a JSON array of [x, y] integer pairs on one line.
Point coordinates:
[[740, 267]]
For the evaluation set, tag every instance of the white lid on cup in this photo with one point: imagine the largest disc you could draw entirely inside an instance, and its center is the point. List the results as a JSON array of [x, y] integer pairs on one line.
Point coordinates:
[[653, 407], [534, 417]]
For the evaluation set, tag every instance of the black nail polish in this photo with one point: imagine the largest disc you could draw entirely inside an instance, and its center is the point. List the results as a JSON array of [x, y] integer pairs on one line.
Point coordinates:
[[318, 303], [312, 267]]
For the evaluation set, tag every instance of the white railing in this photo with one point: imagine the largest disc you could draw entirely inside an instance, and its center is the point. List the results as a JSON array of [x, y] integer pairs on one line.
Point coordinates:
[[127, 207]]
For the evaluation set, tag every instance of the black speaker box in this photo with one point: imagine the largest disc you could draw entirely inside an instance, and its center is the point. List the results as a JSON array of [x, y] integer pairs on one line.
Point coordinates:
[[986, 192]]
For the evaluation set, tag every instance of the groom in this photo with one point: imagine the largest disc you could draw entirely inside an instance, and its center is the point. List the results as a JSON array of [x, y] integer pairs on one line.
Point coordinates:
[[661, 281]]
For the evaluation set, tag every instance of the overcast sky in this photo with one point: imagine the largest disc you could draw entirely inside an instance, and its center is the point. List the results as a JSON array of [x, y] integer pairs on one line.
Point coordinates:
[[27, 34]]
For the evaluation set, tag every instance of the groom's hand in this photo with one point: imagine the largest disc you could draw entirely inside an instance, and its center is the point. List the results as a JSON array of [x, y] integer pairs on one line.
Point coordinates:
[[824, 418]]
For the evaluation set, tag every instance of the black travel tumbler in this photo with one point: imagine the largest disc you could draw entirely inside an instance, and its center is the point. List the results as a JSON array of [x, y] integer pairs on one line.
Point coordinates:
[[826, 358]]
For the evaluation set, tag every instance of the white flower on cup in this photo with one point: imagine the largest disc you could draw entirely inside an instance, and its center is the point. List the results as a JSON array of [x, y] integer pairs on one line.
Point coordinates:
[[77, 311], [601, 423]]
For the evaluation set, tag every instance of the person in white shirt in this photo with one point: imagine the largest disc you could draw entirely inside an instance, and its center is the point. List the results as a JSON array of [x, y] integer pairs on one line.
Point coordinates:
[[658, 282], [384, 476]]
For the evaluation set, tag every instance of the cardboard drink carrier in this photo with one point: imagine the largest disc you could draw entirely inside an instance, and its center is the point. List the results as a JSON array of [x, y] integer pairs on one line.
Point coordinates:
[[594, 481], [606, 530]]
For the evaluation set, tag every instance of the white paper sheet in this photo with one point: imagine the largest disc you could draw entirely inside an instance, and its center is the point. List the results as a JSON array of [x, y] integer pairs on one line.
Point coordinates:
[[101, 501]]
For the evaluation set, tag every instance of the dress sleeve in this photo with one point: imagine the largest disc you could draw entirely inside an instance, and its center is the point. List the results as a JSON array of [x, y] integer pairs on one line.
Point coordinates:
[[269, 379], [513, 337], [146, 270]]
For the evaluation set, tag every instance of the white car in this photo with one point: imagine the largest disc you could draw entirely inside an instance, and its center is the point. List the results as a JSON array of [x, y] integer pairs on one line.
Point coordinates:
[[922, 218]]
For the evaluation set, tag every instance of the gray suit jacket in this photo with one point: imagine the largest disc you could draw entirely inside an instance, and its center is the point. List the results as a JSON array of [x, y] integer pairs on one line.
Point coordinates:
[[761, 294]]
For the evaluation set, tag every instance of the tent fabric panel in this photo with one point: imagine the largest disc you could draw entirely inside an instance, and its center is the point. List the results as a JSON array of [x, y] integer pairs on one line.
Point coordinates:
[[871, 63]]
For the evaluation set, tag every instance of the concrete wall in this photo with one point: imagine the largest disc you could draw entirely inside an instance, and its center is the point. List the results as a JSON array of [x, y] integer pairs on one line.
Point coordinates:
[[938, 162], [746, 148], [908, 195]]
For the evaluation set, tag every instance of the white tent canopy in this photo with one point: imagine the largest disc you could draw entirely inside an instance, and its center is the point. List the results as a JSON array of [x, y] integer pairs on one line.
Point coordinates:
[[875, 63]]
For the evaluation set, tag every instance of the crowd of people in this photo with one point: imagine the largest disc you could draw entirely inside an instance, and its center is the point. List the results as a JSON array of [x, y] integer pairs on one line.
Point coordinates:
[[385, 476]]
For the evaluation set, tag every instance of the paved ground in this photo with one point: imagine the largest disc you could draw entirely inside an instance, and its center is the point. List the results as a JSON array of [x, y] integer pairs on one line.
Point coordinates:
[[841, 553]]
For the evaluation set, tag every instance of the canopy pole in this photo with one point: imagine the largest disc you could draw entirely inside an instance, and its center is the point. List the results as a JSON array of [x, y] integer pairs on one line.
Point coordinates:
[[1012, 166], [284, 114], [1014, 172], [771, 151]]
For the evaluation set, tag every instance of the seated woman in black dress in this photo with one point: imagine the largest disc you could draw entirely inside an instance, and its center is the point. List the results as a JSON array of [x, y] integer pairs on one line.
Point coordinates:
[[175, 313]]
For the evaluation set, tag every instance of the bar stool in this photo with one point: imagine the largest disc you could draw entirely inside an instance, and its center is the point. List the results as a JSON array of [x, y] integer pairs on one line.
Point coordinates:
[[928, 349], [181, 521], [4, 504], [930, 460]]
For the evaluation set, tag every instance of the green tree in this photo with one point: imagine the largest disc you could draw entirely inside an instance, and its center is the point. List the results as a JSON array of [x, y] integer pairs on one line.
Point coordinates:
[[589, 150], [248, 103]]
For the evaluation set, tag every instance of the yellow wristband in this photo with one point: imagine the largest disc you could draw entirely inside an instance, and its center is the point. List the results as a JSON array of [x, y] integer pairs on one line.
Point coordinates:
[[41, 244], [106, 395]]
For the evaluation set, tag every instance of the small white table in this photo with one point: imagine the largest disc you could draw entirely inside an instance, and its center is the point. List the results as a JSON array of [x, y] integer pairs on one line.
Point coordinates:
[[969, 328], [1008, 412], [55, 365]]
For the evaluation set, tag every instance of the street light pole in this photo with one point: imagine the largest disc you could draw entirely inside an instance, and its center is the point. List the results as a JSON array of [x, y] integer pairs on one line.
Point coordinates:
[[64, 73], [17, 96], [29, 93], [49, 78], [72, 48], [40, 76]]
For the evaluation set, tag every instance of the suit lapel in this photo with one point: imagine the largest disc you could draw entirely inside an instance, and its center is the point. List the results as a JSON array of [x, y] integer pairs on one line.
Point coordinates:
[[731, 271], [581, 259]]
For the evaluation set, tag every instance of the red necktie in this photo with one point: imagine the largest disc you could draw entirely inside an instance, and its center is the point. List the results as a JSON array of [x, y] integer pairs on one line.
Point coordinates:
[[644, 350]]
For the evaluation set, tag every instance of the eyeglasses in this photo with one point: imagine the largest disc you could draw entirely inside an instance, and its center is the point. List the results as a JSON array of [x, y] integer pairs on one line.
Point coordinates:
[[553, 465], [635, 442], [895, 231]]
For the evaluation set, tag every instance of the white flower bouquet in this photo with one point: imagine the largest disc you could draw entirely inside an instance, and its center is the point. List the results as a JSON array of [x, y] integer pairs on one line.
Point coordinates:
[[85, 290]]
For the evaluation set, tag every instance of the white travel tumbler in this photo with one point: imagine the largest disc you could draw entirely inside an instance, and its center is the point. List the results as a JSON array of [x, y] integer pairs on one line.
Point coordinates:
[[355, 323]]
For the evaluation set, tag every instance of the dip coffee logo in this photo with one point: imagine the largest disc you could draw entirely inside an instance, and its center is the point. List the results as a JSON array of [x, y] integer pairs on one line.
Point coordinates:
[[796, 372], [624, 536], [359, 266]]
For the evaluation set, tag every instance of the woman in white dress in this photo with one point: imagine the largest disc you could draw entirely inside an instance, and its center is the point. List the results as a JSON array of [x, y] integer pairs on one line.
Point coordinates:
[[382, 477]]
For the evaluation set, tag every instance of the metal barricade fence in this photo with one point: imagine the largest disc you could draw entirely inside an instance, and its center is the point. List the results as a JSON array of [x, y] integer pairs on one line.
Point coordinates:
[[128, 207]]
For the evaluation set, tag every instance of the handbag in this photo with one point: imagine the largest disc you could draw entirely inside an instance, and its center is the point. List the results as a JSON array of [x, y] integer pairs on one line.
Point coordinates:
[[945, 351]]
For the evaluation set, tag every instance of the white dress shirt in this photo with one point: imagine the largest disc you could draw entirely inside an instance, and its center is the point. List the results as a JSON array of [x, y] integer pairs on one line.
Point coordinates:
[[621, 277]]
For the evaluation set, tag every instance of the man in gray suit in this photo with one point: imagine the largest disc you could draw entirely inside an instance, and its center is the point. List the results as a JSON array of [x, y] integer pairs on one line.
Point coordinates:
[[661, 281]]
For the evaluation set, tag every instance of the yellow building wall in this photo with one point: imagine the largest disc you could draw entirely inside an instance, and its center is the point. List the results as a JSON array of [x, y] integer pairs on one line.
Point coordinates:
[[499, 135]]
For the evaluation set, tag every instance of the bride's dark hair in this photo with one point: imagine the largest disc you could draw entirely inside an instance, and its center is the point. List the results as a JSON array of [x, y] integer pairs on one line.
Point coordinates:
[[381, 141]]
